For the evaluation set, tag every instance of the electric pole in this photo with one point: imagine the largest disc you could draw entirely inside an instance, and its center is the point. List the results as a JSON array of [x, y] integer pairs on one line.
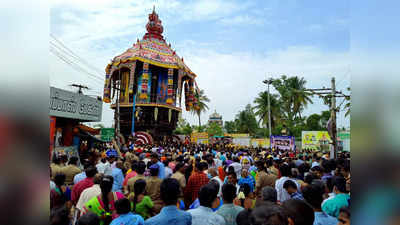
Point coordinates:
[[268, 82], [331, 94], [333, 118], [80, 87]]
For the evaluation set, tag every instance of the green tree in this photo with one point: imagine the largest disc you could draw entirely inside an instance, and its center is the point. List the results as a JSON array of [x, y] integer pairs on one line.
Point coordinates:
[[214, 129], [230, 127], [314, 122], [183, 127], [200, 129], [261, 108], [301, 98], [202, 101], [325, 115], [246, 121], [261, 132], [293, 98]]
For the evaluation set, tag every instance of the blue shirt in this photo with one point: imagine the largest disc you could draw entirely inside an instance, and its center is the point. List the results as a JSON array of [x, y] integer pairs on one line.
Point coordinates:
[[170, 215], [248, 180], [229, 212], [161, 170], [321, 218], [128, 219], [204, 215], [79, 177], [297, 196], [118, 179], [196, 204]]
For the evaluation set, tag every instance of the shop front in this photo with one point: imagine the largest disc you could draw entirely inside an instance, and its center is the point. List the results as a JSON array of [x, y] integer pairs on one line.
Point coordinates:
[[67, 111]]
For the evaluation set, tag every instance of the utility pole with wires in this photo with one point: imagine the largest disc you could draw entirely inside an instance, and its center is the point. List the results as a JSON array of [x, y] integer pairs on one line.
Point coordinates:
[[329, 95], [80, 87]]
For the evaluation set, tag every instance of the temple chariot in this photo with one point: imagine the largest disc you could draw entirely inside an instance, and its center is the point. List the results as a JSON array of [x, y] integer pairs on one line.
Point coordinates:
[[145, 86]]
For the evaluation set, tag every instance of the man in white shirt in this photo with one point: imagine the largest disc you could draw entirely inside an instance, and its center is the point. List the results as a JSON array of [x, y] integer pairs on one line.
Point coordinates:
[[214, 176], [283, 195], [89, 193], [104, 167], [236, 166]]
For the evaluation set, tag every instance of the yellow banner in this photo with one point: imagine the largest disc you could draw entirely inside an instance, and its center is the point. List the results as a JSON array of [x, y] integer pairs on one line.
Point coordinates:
[[237, 135], [314, 139], [200, 135], [260, 142], [196, 136]]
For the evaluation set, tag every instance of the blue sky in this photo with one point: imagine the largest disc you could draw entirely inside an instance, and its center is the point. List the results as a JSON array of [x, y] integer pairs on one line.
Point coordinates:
[[231, 45]]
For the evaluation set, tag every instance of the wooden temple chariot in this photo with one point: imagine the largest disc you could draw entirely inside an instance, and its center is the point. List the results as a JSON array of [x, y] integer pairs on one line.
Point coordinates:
[[151, 76]]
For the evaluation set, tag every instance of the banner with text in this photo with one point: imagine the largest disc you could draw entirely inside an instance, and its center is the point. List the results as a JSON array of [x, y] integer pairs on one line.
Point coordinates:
[[282, 142]]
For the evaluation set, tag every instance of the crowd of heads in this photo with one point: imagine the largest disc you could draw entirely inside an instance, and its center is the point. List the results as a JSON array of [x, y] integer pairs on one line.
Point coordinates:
[[312, 175]]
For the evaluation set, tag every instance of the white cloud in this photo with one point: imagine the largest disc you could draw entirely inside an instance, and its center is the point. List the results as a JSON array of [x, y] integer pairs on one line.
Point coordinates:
[[234, 80], [242, 20]]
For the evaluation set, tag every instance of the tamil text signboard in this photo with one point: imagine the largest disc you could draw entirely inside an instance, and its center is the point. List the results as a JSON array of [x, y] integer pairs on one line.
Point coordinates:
[[74, 105]]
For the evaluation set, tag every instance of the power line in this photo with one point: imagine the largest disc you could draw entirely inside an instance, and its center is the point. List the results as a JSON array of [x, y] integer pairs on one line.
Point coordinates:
[[66, 53], [63, 57], [74, 65], [74, 54], [344, 78]]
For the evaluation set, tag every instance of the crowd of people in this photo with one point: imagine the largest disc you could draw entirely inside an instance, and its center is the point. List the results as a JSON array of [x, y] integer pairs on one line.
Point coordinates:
[[200, 184]]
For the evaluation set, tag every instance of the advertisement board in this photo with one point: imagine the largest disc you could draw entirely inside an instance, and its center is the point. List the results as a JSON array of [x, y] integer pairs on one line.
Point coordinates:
[[74, 105], [344, 140], [245, 141], [282, 142], [195, 136], [314, 139], [260, 142], [237, 135], [69, 151], [107, 134]]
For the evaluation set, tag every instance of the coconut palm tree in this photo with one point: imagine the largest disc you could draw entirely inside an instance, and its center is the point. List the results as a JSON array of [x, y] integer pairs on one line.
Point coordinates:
[[300, 97], [261, 108], [202, 106], [246, 120]]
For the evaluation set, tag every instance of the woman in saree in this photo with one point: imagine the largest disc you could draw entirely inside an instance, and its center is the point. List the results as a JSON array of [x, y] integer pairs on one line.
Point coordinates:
[[61, 195], [103, 205]]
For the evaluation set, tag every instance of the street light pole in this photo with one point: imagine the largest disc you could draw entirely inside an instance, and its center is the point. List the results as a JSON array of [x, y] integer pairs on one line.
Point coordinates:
[[268, 82], [269, 113]]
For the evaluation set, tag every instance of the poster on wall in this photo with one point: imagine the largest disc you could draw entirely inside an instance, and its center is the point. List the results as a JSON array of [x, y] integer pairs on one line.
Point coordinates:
[[315, 140], [241, 141], [69, 151], [282, 142], [162, 88], [260, 142]]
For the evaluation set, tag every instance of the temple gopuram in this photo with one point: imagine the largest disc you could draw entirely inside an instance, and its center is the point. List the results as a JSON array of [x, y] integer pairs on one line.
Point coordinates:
[[148, 81]]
